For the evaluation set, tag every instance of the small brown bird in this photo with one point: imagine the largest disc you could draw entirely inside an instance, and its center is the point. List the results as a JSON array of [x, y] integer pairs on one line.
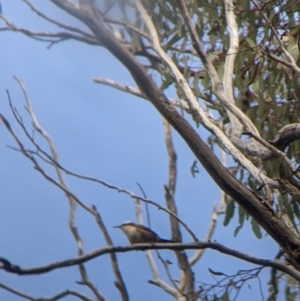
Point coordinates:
[[140, 234]]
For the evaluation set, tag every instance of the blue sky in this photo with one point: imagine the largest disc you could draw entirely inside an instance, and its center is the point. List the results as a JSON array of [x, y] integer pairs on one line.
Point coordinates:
[[103, 133]]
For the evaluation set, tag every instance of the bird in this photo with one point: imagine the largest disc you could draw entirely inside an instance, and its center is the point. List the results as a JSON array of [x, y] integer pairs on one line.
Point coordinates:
[[140, 234]]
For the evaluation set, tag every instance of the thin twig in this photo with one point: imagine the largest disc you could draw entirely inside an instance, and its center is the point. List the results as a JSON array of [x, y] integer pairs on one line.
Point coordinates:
[[120, 284], [59, 24], [54, 298]]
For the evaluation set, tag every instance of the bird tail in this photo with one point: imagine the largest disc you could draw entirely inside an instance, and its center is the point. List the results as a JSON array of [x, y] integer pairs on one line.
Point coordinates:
[[166, 240]]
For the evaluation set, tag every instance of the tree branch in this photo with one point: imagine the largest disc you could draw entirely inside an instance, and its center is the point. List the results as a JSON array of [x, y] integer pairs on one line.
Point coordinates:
[[187, 276], [56, 297], [14, 269], [120, 284]]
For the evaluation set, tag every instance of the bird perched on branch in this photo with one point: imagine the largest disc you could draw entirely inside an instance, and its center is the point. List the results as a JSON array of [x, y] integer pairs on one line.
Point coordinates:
[[137, 234]]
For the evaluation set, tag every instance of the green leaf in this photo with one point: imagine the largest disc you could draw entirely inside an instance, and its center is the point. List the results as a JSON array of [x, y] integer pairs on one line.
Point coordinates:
[[179, 27], [229, 212], [225, 297], [167, 13], [290, 295], [175, 38], [293, 48], [136, 42], [242, 214], [295, 207], [250, 42], [236, 231], [256, 228]]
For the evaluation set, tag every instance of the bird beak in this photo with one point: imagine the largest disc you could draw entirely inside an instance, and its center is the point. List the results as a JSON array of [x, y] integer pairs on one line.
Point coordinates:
[[116, 226]]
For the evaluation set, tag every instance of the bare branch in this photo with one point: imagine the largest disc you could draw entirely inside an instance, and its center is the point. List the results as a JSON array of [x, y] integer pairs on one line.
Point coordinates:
[[120, 284], [72, 201], [137, 92], [155, 273], [132, 195], [286, 135], [54, 37], [122, 87], [38, 167], [236, 125], [52, 161], [8, 267], [277, 153], [17, 293], [187, 277], [59, 24], [166, 264], [58, 296]]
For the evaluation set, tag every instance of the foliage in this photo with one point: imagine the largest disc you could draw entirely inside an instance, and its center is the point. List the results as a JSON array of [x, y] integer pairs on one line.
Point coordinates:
[[233, 68]]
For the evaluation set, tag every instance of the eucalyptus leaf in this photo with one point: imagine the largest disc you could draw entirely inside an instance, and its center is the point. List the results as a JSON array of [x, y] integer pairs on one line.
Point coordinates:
[[229, 212], [256, 228]]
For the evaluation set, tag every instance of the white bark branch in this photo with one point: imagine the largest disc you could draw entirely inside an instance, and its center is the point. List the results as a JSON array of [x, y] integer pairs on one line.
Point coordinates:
[[155, 274], [236, 126], [196, 109]]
